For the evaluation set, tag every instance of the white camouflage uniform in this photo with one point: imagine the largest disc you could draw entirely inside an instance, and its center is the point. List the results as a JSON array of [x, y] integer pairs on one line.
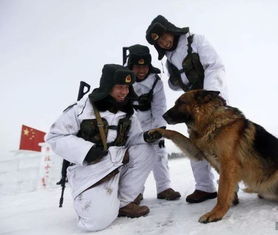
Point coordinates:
[[153, 119], [214, 79], [98, 206]]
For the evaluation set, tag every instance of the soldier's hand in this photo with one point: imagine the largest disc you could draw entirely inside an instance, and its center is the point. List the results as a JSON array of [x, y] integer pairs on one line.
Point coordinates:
[[151, 137], [95, 153]]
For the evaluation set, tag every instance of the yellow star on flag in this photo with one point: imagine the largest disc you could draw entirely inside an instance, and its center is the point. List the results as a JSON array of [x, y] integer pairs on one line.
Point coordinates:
[[26, 132]]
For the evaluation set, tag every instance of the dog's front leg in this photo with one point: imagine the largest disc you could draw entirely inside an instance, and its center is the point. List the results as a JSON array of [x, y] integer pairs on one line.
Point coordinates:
[[183, 143], [226, 192]]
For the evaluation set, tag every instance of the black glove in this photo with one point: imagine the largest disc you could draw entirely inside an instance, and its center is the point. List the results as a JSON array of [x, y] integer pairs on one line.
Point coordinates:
[[161, 144], [151, 137], [95, 154]]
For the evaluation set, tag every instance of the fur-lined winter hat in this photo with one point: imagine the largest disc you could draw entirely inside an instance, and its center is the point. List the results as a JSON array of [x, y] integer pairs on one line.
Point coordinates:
[[161, 25], [139, 55], [112, 74]]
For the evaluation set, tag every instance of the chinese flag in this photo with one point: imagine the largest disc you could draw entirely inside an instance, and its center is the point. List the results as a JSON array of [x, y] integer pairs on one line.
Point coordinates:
[[30, 139]]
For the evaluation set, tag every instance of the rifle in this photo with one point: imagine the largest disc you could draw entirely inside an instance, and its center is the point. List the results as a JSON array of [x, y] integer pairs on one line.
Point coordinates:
[[66, 163], [124, 54]]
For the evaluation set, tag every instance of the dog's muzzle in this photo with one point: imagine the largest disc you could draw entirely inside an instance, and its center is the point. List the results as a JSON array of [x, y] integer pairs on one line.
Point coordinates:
[[172, 116], [168, 117]]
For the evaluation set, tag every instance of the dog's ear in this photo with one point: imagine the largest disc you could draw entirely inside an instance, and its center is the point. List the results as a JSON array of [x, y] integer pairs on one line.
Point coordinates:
[[204, 96]]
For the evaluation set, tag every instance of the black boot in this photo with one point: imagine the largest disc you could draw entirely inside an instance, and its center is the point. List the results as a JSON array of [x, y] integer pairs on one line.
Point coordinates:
[[200, 196]]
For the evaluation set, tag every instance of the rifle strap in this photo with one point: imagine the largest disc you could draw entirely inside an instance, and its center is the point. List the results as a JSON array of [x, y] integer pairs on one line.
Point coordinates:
[[100, 128]]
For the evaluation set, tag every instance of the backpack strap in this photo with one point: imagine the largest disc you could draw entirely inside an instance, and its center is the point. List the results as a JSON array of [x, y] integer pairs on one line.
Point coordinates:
[[189, 48], [154, 84]]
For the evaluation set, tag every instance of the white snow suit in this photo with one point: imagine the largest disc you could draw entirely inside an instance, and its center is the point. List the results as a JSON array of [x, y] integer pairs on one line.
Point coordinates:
[[214, 79], [98, 206]]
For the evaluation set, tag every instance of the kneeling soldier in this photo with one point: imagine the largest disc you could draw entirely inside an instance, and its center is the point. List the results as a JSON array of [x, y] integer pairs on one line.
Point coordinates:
[[105, 144]]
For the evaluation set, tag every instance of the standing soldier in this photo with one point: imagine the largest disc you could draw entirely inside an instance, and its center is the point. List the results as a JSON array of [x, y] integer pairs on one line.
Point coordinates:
[[192, 64], [150, 107]]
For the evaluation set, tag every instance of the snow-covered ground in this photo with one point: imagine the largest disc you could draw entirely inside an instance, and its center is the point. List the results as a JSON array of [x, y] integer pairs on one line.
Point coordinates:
[[37, 212]]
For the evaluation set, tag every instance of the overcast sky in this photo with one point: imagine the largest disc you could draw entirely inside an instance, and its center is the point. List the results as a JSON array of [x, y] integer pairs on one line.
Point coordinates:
[[48, 47]]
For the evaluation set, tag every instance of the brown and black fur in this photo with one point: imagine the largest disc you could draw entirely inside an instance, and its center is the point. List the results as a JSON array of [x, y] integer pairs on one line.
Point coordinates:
[[237, 148]]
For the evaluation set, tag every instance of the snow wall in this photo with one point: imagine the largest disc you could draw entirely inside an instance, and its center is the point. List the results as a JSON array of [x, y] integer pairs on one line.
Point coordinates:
[[27, 171]]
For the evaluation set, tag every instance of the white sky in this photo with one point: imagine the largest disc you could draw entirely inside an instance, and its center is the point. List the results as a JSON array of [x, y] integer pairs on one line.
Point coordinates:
[[47, 47]]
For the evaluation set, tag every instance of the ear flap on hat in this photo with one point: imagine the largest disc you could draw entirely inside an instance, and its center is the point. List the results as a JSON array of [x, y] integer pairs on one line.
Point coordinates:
[[160, 51], [154, 32], [158, 26], [138, 55], [112, 74]]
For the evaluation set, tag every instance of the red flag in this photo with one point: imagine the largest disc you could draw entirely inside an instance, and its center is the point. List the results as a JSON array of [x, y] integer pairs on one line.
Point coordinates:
[[30, 138]]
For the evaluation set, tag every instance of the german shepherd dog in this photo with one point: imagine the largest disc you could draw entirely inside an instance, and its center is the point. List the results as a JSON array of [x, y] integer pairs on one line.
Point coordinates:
[[239, 150]]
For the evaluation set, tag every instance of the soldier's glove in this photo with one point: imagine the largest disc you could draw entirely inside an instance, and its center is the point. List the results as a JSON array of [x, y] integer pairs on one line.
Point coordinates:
[[95, 154], [151, 137], [161, 144]]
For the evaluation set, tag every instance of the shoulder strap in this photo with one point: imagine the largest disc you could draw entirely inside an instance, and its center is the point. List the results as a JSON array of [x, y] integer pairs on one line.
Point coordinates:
[[189, 48], [189, 40], [154, 84], [100, 127]]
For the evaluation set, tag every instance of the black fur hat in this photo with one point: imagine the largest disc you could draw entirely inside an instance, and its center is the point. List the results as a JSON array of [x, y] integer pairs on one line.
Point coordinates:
[[112, 74], [161, 25], [139, 55]]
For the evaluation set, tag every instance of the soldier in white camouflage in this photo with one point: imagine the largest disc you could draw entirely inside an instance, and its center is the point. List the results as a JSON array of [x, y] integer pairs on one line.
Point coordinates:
[[192, 64], [150, 106], [106, 174]]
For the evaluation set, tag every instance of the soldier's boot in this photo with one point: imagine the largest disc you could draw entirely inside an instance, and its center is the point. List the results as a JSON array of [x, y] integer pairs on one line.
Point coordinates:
[[200, 196], [169, 194], [133, 210]]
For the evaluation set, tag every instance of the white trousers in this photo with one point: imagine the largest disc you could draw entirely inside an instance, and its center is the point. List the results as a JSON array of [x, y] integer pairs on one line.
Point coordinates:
[[160, 169], [98, 207], [202, 173], [203, 176]]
